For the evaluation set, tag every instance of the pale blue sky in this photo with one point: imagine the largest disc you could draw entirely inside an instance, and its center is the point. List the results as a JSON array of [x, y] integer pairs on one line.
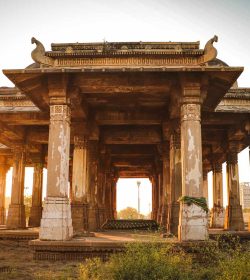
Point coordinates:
[[130, 20]]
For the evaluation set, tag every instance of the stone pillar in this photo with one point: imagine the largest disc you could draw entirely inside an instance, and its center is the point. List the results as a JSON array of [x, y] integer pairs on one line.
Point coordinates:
[[205, 193], [193, 219], [175, 182], [16, 214], [92, 176], [108, 181], [79, 205], [114, 197], [101, 194], [56, 223], [233, 216], [217, 213], [205, 185], [36, 208], [160, 192], [3, 171], [155, 202]]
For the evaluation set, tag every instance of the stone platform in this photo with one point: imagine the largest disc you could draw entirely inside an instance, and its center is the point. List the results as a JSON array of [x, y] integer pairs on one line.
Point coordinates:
[[18, 234], [102, 245], [98, 244]]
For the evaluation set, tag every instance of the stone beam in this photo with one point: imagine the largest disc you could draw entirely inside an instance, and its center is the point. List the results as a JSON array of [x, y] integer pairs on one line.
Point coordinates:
[[132, 135], [122, 117], [27, 118]]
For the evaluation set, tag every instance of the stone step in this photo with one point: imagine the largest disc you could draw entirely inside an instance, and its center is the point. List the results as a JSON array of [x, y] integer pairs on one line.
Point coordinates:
[[137, 224]]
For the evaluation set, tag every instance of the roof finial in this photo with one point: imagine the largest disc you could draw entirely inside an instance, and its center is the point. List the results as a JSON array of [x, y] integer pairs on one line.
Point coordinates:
[[38, 54], [210, 52]]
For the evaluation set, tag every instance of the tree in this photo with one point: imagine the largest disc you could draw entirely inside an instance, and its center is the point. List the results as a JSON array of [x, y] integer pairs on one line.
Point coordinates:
[[129, 213]]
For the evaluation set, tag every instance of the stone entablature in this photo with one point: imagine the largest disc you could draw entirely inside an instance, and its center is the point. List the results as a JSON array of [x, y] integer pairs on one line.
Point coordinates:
[[124, 53]]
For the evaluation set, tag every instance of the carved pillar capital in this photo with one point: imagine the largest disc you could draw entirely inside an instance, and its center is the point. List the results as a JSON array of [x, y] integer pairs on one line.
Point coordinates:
[[217, 167], [190, 112], [80, 142], [60, 113], [232, 158]]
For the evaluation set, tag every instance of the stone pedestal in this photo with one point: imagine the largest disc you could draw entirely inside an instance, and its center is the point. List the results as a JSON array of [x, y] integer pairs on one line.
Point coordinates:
[[193, 223], [234, 218], [56, 223], [35, 216], [193, 219], [36, 208], [174, 217], [93, 218], [16, 214], [79, 216], [217, 217]]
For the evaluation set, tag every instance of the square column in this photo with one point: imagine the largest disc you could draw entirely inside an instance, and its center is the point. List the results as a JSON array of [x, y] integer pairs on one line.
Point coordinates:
[[175, 182], [3, 171], [234, 215], [217, 213], [16, 214], [36, 208], [79, 200], [193, 219], [92, 180], [56, 223]]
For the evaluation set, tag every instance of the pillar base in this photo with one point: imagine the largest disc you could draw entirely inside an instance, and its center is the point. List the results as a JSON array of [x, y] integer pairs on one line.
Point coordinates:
[[192, 223], [35, 216], [93, 221], [217, 217], [2, 216], [102, 215], [16, 217], [164, 218], [79, 212], [56, 223], [234, 218], [173, 222]]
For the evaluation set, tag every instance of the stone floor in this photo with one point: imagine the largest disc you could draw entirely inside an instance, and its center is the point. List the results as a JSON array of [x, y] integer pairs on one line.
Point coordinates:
[[98, 244]]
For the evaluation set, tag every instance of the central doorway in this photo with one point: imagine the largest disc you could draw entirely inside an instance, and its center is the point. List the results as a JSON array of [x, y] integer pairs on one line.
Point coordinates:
[[133, 198]]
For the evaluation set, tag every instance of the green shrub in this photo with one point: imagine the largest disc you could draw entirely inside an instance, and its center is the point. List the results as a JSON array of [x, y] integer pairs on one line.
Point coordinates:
[[147, 261], [223, 259]]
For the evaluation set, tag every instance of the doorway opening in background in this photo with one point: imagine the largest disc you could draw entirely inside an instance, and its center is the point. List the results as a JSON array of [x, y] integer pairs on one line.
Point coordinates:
[[134, 198]]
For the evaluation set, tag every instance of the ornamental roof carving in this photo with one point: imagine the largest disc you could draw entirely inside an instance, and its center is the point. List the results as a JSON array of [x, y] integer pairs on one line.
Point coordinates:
[[124, 53]]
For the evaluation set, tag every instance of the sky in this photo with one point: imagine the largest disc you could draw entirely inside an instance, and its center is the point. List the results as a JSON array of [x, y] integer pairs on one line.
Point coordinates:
[[59, 21]]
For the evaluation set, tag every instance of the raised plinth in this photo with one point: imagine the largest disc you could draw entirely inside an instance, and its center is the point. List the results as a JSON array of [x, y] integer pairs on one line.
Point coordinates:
[[56, 223], [74, 250], [193, 223]]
